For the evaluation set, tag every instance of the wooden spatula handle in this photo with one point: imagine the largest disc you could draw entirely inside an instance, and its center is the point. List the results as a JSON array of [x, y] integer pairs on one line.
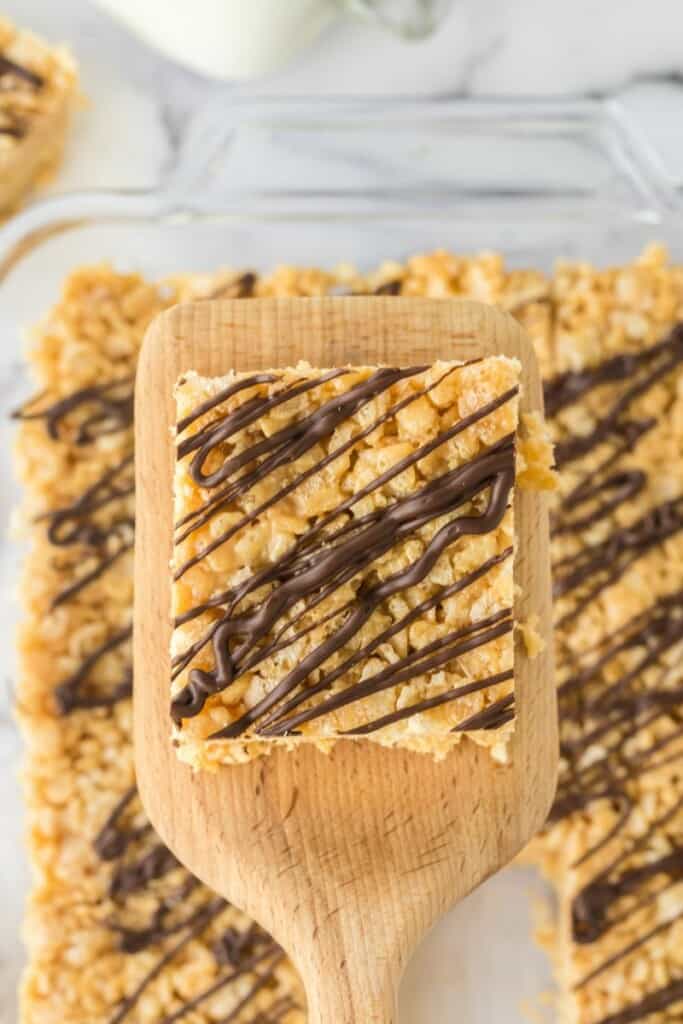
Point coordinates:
[[352, 968], [344, 993], [333, 1007]]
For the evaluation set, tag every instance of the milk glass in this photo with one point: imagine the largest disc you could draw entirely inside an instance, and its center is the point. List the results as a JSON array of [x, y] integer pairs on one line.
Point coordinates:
[[238, 39]]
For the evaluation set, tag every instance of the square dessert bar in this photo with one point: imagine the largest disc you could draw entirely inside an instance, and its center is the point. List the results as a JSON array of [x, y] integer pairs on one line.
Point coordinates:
[[343, 558], [37, 90]]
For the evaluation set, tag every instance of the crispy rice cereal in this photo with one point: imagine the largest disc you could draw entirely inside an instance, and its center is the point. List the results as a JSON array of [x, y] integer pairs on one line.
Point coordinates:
[[396, 484], [38, 86]]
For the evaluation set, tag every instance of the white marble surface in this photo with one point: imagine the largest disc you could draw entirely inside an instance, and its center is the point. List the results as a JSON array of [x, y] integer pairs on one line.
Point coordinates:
[[479, 965]]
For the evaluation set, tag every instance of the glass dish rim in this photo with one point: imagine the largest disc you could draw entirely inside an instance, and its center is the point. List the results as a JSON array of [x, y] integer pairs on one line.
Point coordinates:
[[171, 199]]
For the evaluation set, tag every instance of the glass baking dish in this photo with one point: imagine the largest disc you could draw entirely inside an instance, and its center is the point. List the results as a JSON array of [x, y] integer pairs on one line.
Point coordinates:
[[264, 182]]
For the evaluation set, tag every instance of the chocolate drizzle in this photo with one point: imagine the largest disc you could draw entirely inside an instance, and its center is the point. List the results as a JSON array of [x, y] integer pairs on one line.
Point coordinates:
[[77, 523], [242, 287], [629, 683], [644, 369], [13, 76], [15, 128], [390, 288], [116, 542], [10, 69], [79, 690], [182, 910], [606, 563], [99, 525], [322, 560], [657, 1001], [87, 414]]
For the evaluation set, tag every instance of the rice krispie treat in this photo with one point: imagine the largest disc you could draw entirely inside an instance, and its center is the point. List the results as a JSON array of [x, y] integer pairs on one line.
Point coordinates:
[[343, 558], [525, 294], [615, 844], [37, 89]]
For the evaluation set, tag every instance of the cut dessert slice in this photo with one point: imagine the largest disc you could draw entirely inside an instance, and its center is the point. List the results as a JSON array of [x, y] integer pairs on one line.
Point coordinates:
[[37, 89], [343, 558]]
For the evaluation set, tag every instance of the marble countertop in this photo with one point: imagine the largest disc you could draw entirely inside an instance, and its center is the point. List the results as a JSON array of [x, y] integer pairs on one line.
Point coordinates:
[[138, 111]]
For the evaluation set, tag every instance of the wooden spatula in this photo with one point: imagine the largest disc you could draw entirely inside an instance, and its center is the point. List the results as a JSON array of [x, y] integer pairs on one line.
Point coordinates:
[[347, 858]]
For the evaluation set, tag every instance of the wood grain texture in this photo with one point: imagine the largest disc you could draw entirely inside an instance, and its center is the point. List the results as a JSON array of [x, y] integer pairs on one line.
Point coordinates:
[[348, 858]]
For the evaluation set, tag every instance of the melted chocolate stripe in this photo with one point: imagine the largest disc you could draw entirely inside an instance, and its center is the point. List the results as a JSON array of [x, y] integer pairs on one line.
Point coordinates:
[[259, 984], [105, 409], [289, 567], [590, 907], [287, 561], [612, 424], [130, 878], [432, 702], [655, 1001], [10, 67], [242, 287], [105, 561], [246, 414], [74, 523], [627, 950], [389, 288], [613, 694], [640, 537], [489, 471], [657, 623], [432, 656], [272, 954], [620, 487], [213, 909], [337, 564], [629, 682], [223, 396], [492, 717], [275, 1014], [613, 559], [69, 693], [243, 952], [289, 444], [16, 129], [112, 841], [158, 928], [201, 516], [567, 388], [396, 627]]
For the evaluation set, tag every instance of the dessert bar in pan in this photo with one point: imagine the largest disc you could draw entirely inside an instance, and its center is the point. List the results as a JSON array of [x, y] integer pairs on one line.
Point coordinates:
[[116, 930], [614, 845], [38, 86]]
